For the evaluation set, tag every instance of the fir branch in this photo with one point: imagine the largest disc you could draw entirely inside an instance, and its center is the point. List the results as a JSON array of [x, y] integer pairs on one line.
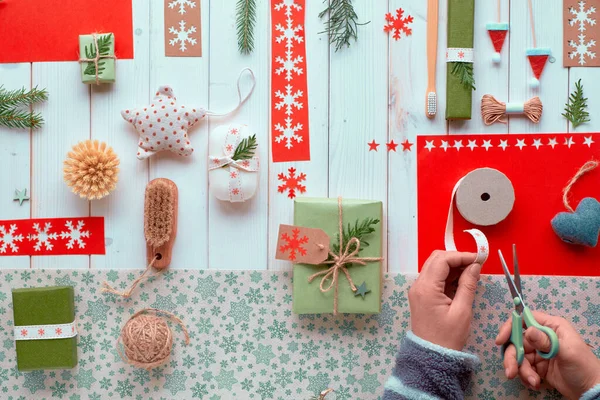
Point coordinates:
[[245, 150], [342, 24], [21, 97], [575, 109], [359, 231], [104, 42], [464, 72], [13, 118], [245, 21]]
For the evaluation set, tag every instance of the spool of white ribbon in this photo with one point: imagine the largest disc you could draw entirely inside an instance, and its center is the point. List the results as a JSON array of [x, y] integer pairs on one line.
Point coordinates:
[[484, 197]]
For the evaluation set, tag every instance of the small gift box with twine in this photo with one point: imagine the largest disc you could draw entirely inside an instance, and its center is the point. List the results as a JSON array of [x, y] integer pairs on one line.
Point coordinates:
[[97, 58], [349, 281], [45, 329]]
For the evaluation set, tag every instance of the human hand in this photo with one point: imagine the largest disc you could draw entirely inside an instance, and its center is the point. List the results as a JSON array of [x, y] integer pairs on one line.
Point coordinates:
[[434, 315], [572, 372]]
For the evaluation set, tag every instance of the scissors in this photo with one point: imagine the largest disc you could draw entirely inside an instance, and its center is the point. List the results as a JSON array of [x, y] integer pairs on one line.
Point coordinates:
[[522, 312]]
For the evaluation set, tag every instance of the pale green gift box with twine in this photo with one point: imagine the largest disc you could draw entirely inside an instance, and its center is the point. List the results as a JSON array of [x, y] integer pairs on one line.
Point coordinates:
[[97, 58], [329, 215]]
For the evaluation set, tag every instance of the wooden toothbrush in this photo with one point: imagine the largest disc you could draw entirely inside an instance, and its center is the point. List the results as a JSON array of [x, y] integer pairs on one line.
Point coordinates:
[[432, 39]]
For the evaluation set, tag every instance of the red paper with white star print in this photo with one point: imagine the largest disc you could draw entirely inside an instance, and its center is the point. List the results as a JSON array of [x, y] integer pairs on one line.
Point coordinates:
[[539, 166], [52, 236], [289, 96], [302, 245]]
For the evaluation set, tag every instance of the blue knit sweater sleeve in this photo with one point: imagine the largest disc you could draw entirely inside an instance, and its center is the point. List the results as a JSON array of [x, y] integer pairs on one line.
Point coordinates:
[[427, 371]]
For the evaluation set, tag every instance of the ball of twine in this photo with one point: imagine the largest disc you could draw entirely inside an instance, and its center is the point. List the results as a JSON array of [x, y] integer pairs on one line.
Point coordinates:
[[91, 169], [147, 339]]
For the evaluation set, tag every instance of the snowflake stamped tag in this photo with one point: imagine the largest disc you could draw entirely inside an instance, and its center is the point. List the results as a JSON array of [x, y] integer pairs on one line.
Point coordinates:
[[302, 245], [183, 33]]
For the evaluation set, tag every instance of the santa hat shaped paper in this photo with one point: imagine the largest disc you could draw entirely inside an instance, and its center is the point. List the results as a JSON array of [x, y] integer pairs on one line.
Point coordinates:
[[498, 32]]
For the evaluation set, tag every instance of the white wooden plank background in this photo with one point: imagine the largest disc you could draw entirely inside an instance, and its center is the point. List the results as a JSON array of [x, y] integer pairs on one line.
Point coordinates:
[[373, 90]]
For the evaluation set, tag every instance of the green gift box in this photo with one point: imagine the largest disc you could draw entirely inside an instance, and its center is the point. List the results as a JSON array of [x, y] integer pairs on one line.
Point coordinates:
[[44, 311], [97, 58], [323, 213]]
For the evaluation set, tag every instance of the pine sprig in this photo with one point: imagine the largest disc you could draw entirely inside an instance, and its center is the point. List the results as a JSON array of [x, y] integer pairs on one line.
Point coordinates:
[[104, 42], [464, 72], [245, 21], [21, 97], [359, 231], [14, 118], [245, 150], [342, 24], [575, 109]]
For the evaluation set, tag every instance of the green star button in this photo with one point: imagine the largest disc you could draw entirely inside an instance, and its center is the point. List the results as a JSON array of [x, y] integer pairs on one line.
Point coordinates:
[[20, 196], [362, 290]]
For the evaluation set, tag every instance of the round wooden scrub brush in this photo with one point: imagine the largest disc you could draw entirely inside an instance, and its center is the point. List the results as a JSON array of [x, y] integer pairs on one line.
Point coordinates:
[[160, 221], [91, 169]]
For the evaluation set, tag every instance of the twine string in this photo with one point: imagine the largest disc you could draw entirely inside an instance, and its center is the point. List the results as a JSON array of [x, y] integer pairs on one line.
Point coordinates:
[[532, 22], [324, 393], [585, 168], [127, 293], [493, 110], [340, 261], [97, 58], [499, 10]]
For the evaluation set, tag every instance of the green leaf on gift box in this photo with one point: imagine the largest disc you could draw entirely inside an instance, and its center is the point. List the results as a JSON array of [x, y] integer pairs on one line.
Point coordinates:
[[357, 231], [464, 72], [245, 150], [104, 43]]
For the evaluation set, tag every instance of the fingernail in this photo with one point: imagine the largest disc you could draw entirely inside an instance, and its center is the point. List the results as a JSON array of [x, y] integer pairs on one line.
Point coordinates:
[[506, 372], [476, 270], [531, 381]]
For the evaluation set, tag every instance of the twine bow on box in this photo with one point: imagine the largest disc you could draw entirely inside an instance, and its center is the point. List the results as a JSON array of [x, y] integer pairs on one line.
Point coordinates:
[[340, 262], [97, 58], [232, 140]]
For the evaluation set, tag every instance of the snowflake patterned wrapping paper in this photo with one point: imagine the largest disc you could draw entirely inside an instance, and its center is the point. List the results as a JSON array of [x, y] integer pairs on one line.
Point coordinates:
[[461, 17], [104, 71], [247, 344], [323, 213], [45, 306]]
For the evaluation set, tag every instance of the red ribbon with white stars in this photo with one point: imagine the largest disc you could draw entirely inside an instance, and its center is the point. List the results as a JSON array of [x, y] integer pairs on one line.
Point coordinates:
[[42, 332], [232, 140]]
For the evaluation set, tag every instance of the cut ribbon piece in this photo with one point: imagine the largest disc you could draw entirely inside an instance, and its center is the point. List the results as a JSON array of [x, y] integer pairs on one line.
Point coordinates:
[[459, 54], [43, 332]]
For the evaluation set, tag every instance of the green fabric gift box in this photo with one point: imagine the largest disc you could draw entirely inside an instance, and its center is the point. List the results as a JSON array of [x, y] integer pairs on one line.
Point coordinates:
[[323, 213], [44, 306], [104, 49]]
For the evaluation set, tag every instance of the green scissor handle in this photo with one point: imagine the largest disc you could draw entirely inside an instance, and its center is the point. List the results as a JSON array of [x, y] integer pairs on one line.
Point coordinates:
[[516, 337], [531, 322]]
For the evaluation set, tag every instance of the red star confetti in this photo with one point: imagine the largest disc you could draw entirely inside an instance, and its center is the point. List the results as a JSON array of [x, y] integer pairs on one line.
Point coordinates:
[[398, 24], [406, 145], [373, 145], [293, 244], [391, 146], [291, 182]]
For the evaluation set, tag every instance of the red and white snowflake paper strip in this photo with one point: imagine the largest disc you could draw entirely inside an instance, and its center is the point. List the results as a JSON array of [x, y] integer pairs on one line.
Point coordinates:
[[52, 236], [289, 97], [291, 182], [398, 24], [302, 245], [44, 332]]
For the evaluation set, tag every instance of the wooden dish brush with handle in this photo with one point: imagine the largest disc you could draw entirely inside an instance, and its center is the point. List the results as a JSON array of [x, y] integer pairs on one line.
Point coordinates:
[[160, 229]]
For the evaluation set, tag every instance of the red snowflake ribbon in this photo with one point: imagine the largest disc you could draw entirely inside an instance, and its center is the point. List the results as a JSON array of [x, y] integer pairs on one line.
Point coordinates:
[[52, 236], [41, 332], [291, 182], [289, 97], [398, 24]]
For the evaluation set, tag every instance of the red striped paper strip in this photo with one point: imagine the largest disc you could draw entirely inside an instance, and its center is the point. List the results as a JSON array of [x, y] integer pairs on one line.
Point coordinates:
[[52, 236], [289, 97]]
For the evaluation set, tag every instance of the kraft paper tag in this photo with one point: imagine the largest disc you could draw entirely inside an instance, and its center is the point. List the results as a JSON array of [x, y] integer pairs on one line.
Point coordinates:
[[183, 29], [302, 245]]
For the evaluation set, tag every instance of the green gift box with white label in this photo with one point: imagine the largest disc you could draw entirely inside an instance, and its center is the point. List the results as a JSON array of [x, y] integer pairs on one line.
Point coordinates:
[[44, 328], [324, 213]]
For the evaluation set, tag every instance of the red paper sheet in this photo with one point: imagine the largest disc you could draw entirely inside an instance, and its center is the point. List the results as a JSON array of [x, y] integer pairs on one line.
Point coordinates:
[[538, 171], [289, 97], [43, 30], [52, 236]]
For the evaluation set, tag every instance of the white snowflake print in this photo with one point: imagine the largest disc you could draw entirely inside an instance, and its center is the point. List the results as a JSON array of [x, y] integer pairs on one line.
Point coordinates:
[[288, 5], [582, 16], [582, 49], [182, 4], [8, 239], [289, 34], [183, 36], [43, 236], [288, 100], [288, 133], [75, 235], [289, 65]]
